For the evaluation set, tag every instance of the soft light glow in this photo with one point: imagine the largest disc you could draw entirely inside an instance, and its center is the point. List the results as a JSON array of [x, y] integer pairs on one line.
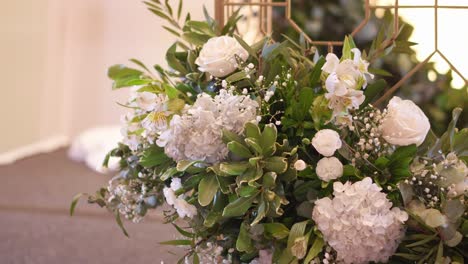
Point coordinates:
[[451, 34]]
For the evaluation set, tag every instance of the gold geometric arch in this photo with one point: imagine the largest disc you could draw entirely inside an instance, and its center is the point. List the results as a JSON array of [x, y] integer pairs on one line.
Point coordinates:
[[224, 8]]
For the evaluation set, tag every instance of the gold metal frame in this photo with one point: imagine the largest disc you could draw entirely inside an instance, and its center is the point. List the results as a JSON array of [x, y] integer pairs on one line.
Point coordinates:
[[225, 7]]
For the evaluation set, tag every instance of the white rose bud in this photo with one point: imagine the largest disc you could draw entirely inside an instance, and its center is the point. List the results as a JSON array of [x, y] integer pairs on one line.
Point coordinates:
[[329, 169], [405, 123], [218, 56], [326, 142], [300, 165]]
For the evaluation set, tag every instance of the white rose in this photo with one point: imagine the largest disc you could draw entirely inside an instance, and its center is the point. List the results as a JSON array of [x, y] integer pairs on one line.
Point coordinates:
[[405, 123], [329, 169], [326, 142], [300, 165], [218, 56]]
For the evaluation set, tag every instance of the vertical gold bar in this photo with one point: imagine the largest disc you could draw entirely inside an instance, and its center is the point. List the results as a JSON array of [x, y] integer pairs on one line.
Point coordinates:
[[219, 12]]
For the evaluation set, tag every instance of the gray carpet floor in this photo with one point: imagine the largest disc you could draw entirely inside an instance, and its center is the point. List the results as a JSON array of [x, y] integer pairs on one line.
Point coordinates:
[[35, 227]]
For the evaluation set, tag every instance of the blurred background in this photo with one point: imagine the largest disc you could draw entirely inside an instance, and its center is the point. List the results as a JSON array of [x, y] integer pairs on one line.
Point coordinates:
[[54, 89]]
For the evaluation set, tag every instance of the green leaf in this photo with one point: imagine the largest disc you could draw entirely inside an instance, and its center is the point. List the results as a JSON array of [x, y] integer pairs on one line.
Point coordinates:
[[276, 230], [234, 168], [316, 72], [177, 242], [440, 253], [229, 136], [153, 156], [173, 62], [239, 149], [244, 242], [315, 249], [183, 165], [141, 64], [239, 206], [276, 164], [347, 46], [297, 230], [269, 180], [125, 77], [238, 76], [183, 232], [195, 38], [254, 144], [120, 224], [373, 90], [74, 202], [268, 139], [261, 212], [303, 105], [212, 218], [201, 27], [320, 112], [252, 131], [246, 191], [246, 46], [207, 189]]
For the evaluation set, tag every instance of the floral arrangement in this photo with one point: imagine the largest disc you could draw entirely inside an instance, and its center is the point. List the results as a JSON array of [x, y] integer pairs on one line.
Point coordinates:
[[271, 153]]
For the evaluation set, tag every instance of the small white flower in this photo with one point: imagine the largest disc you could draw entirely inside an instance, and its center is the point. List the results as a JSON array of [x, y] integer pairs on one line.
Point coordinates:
[[300, 165], [326, 142], [224, 84], [146, 100], [329, 168], [218, 56], [183, 208]]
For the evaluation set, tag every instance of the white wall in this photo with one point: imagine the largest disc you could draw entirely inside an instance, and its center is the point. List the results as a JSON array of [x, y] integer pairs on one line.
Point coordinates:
[[55, 54]]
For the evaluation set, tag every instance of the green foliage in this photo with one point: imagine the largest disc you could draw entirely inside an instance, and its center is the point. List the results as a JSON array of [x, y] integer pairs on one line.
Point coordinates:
[[126, 77], [153, 156]]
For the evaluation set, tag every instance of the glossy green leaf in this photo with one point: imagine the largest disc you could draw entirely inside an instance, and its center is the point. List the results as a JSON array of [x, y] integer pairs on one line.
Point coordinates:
[[239, 149], [234, 168], [276, 230], [153, 156], [207, 189], [268, 139], [276, 164], [239, 206], [244, 242]]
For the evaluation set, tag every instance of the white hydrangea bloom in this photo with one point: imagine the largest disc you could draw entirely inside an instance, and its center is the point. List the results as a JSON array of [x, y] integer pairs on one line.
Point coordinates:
[[326, 142], [329, 168], [197, 134], [359, 222], [183, 208]]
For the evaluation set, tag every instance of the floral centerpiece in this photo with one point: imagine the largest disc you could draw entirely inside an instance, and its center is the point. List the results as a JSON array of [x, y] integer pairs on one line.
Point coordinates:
[[271, 153]]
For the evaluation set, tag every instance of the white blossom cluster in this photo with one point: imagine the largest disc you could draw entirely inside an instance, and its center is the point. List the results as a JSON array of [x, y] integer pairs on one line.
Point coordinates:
[[371, 145], [343, 84], [197, 134], [154, 107], [183, 208], [359, 222], [126, 198], [210, 253]]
